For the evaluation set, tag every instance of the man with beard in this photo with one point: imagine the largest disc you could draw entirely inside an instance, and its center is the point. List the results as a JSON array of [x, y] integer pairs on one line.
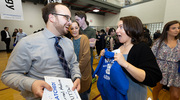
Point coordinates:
[[35, 56]]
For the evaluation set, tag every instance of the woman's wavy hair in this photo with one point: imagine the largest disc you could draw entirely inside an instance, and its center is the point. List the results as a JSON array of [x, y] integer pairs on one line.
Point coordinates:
[[164, 34], [133, 28], [78, 26]]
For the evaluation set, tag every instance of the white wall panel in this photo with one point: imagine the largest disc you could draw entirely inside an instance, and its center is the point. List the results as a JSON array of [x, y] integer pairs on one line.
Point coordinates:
[[172, 10], [148, 12], [32, 16]]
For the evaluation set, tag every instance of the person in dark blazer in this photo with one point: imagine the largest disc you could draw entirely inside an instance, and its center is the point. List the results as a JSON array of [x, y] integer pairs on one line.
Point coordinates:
[[5, 36]]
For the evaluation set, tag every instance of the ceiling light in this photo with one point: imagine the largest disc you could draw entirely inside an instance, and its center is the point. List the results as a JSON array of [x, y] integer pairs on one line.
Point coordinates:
[[96, 10]]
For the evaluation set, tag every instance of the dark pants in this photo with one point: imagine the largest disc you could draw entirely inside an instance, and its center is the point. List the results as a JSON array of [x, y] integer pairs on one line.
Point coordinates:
[[98, 49], [92, 70], [85, 95], [7, 42]]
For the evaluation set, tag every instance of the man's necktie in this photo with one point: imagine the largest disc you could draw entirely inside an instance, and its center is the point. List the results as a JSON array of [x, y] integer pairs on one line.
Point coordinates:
[[62, 59]]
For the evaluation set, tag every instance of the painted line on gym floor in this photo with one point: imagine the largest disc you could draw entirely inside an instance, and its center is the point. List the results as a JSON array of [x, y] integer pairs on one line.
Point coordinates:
[[96, 97]]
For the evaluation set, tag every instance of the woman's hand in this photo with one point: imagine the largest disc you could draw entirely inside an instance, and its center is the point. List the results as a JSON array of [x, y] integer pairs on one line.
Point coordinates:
[[135, 72], [102, 52], [120, 59]]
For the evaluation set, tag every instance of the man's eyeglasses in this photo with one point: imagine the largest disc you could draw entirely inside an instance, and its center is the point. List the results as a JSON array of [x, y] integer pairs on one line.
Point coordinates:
[[67, 16]]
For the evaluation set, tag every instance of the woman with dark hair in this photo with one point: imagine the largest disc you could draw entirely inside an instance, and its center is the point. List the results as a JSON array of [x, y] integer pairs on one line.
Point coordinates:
[[15, 33], [110, 39], [98, 42], [136, 58], [82, 50], [167, 52]]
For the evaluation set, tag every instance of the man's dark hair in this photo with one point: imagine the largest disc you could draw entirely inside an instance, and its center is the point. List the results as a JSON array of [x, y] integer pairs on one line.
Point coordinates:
[[82, 14], [49, 9], [5, 27]]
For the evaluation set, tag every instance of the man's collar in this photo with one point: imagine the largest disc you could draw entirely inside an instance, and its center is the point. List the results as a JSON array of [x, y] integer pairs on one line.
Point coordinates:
[[49, 34]]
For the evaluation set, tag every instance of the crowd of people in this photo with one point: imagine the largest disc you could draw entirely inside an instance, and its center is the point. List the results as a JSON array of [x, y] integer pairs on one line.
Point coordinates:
[[6, 37], [50, 53]]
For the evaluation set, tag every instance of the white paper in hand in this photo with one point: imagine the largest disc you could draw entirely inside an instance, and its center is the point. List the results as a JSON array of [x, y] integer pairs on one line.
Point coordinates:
[[62, 89]]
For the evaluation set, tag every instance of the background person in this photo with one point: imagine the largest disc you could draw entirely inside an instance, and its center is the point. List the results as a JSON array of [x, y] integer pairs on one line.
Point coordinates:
[[98, 42], [14, 34], [6, 37], [107, 30], [82, 50], [147, 36], [167, 52], [20, 35], [102, 39], [156, 35], [35, 56], [110, 39], [81, 18]]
